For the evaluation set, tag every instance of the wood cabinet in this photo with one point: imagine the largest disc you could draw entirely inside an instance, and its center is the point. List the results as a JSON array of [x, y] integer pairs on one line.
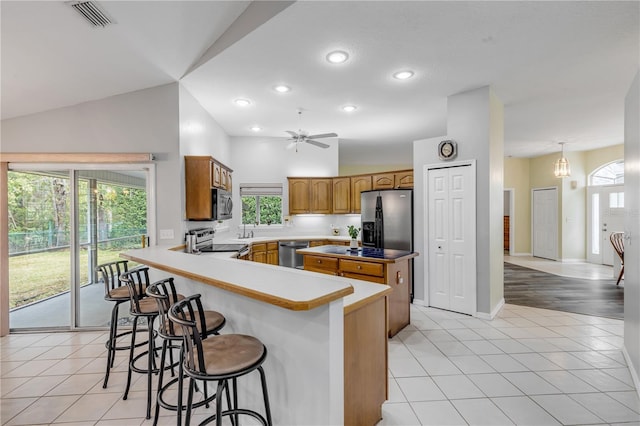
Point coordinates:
[[202, 173], [402, 179], [358, 184], [265, 253], [392, 273], [310, 195], [342, 195]]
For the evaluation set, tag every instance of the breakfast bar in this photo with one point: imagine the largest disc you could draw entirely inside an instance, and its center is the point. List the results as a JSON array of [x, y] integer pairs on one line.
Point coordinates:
[[325, 335]]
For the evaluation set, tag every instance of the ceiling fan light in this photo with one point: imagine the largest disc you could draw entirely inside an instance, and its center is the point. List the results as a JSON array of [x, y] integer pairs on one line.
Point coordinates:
[[337, 57], [403, 75], [242, 102], [256, 128], [281, 88], [349, 108]]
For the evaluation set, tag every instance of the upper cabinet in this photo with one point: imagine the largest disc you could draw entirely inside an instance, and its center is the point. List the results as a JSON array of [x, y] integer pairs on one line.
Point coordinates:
[[393, 180], [310, 195], [202, 173], [358, 184], [340, 195]]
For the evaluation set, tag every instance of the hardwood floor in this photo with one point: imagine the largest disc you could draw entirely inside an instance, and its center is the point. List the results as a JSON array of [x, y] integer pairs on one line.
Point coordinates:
[[529, 287]]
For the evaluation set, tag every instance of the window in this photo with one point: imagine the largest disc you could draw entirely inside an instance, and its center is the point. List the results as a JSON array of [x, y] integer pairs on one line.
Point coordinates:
[[261, 204], [610, 174], [616, 200]]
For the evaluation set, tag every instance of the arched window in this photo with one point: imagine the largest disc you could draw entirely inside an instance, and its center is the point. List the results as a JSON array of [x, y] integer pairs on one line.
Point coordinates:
[[609, 174]]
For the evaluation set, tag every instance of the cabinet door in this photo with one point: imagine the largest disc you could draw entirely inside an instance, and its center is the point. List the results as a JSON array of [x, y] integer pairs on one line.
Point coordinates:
[[341, 195], [404, 179], [272, 257], [260, 256], [224, 174], [197, 173], [384, 181], [216, 177], [229, 182], [358, 184], [298, 196], [321, 195]]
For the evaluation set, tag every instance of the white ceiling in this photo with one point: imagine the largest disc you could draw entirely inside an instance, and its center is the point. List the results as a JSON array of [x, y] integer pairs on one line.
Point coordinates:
[[561, 69]]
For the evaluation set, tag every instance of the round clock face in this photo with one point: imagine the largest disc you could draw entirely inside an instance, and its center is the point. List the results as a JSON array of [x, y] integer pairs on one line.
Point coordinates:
[[447, 150]]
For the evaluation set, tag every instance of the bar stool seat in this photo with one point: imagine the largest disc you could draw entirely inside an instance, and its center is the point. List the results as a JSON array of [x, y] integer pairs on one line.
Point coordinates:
[[229, 353]]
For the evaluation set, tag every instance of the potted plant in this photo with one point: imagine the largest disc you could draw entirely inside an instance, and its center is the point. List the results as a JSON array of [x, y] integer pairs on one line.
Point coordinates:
[[353, 233]]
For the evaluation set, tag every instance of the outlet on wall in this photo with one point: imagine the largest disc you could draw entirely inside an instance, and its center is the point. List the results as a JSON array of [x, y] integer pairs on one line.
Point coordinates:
[[166, 234]]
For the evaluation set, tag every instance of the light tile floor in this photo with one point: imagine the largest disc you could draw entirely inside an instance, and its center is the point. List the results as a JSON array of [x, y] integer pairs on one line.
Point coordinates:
[[528, 366]]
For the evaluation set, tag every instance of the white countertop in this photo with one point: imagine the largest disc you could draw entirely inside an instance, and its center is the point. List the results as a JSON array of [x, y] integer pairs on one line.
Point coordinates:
[[285, 287]]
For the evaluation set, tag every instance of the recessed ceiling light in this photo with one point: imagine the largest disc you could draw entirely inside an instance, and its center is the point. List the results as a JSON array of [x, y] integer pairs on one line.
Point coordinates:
[[349, 108], [403, 75], [242, 102], [282, 88], [256, 128], [337, 57]]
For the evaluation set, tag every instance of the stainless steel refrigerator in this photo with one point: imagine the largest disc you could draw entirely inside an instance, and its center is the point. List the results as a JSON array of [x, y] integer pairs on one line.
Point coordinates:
[[387, 222], [387, 219]]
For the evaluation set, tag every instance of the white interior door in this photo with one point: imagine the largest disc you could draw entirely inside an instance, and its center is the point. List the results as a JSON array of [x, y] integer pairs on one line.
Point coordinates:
[[452, 238], [545, 223], [606, 208]]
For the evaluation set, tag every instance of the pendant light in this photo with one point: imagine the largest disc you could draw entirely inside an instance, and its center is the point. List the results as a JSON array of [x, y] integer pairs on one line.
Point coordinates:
[[561, 168]]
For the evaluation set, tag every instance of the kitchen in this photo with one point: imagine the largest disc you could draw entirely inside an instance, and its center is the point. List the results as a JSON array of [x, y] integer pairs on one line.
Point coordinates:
[[167, 121]]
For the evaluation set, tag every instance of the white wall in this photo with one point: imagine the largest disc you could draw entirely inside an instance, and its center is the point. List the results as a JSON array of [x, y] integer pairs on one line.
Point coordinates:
[[141, 121], [632, 227], [200, 134], [475, 121], [266, 160]]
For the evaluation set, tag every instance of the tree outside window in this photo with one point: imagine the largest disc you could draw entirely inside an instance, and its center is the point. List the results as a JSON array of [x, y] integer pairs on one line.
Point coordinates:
[[261, 204]]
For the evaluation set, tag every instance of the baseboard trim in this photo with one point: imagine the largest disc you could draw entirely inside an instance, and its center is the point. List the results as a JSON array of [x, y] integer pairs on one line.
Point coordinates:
[[632, 370], [494, 312], [573, 260], [419, 302], [521, 254]]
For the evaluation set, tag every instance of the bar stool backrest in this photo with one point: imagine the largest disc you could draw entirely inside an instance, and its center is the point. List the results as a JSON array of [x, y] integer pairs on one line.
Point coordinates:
[[164, 292], [617, 241], [137, 280], [186, 313], [111, 274]]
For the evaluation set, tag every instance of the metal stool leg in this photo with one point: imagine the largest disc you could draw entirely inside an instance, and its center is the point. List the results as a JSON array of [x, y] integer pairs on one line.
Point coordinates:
[[131, 350]]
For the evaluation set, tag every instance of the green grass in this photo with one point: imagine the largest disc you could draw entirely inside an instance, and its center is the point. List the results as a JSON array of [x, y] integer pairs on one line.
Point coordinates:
[[36, 276]]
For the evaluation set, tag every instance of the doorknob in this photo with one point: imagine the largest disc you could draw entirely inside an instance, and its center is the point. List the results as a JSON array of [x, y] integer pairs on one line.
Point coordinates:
[[439, 247]]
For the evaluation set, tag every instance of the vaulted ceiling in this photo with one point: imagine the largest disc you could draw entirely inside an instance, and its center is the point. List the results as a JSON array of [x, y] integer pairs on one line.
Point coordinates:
[[561, 69]]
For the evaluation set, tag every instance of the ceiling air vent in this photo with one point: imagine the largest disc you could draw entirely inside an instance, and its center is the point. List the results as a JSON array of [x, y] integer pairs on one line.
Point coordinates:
[[92, 12]]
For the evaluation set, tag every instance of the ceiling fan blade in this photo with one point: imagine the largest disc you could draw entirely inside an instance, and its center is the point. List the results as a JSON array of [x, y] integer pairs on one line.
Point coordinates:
[[293, 134], [323, 135], [316, 143]]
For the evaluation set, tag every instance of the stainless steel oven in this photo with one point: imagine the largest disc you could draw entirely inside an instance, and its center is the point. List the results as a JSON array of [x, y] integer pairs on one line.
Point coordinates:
[[221, 204]]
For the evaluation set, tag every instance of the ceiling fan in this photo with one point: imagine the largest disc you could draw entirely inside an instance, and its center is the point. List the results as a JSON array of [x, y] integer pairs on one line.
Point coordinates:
[[302, 136]]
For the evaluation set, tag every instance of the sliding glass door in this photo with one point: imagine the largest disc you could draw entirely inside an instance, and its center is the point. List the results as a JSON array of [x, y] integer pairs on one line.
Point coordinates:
[[63, 223]]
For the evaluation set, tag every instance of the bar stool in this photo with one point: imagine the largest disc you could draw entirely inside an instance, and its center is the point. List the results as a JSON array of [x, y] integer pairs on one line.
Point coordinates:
[[137, 281], [208, 323], [219, 358], [114, 291]]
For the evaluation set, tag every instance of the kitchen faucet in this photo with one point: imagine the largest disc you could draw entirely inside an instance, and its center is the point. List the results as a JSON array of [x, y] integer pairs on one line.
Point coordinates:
[[244, 232]]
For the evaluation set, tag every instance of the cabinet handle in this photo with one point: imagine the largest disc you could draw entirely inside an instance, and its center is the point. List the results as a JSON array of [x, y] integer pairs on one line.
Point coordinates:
[[319, 261], [359, 267]]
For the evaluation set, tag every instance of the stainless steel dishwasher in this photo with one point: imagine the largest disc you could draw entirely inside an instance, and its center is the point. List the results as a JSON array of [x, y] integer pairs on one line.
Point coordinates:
[[287, 253]]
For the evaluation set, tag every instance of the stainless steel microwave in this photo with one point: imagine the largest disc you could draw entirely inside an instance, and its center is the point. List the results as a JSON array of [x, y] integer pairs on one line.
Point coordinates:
[[221, 204]]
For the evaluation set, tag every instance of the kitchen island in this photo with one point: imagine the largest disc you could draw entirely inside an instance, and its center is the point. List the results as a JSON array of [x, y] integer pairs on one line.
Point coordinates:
[[325, 336], [383, 266]]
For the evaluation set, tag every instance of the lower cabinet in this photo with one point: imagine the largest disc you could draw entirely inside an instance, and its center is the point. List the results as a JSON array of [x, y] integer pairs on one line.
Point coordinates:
[[265, 253], [394, 274]]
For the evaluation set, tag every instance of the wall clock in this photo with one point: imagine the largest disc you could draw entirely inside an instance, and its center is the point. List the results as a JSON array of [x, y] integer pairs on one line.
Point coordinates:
[[447, 150]]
